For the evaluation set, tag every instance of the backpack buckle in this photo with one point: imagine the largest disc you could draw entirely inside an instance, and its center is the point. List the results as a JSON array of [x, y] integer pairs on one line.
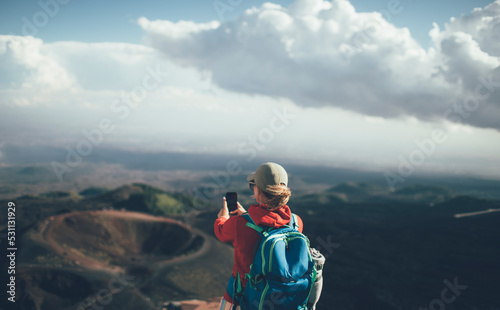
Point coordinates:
[[257, 279]]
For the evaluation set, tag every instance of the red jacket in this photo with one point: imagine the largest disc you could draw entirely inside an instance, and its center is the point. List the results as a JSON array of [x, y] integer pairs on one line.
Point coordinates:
[[244, 238]]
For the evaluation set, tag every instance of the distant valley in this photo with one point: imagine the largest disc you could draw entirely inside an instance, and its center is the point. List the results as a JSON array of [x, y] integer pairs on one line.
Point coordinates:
[[142, 236]]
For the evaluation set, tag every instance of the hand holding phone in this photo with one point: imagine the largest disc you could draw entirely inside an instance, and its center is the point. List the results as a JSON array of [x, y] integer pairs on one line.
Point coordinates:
[[232, 201]]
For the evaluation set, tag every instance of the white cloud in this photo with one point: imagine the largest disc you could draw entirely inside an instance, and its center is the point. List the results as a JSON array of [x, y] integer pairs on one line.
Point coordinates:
[[315, 54], [483, 25], [319, 53], [75, 73], [25, 64], [102, 66]]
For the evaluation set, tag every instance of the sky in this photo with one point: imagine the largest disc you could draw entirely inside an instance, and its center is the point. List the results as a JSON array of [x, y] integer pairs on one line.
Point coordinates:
[[396, 86]]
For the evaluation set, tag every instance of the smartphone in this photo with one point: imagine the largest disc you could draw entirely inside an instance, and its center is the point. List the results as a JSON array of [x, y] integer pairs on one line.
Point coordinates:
[[232, 199]]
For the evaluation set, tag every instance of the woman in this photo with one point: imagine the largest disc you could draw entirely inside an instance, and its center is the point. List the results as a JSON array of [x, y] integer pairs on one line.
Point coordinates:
[[269, 185]]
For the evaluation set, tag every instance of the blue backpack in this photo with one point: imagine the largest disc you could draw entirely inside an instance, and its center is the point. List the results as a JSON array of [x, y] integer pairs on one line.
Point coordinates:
[[282, 274]]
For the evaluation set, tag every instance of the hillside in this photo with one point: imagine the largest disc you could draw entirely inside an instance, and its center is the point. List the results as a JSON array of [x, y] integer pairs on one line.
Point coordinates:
[[354, 192], [384, 250], [396, 255], [74, 247]]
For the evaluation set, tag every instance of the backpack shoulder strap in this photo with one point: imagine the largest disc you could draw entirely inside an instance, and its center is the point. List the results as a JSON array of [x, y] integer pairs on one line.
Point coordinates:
[[294, 223], [250, 223]]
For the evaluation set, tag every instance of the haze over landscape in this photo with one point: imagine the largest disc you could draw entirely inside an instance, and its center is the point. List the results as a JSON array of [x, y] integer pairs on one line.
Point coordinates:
[[123, 123]]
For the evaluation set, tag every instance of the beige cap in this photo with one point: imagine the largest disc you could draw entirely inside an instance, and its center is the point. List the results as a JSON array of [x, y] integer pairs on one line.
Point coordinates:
[[268, 174]]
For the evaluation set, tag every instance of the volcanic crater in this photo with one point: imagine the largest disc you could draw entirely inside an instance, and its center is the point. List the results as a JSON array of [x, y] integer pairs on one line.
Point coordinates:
[[119, 238]]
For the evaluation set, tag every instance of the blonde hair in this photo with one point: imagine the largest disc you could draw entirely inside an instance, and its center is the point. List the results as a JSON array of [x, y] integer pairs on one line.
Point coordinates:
[[275, 196]]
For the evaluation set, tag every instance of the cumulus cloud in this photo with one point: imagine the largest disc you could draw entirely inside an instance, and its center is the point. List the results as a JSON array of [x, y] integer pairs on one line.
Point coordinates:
[[483, 25], [25, 65], [320, 53], [30, 63], [52, 91], [37, 73]]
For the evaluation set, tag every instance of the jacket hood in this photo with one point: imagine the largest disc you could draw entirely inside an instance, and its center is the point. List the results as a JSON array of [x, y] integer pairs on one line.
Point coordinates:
[[263, 217]]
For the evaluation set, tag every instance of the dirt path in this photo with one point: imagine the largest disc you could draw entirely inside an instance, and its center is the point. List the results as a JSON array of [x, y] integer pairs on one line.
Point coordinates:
[[476, 213]]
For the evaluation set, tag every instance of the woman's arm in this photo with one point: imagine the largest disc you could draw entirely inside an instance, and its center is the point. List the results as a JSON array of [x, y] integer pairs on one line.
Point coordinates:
[[225, 226]]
